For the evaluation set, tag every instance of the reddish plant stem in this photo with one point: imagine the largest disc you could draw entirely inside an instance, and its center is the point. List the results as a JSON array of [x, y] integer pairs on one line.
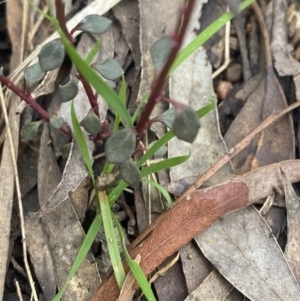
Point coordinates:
[[60, 15], [90, 94], [30, 101], [158, 83]]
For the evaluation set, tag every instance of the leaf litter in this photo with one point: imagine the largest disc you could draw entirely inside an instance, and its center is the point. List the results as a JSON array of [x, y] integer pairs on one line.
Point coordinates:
[[257, 188]]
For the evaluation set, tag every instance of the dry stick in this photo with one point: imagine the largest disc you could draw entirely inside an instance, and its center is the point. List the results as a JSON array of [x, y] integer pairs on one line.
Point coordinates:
[[25, 22], [13, 158], [219, 164], [226, 51], [265, 34]]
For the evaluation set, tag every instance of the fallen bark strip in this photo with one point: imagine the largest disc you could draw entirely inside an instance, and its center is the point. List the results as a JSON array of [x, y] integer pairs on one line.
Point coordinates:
[[194, 213]]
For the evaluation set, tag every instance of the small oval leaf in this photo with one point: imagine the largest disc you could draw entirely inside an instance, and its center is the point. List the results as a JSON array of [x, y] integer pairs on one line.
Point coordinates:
[[30, 131], [91, 123], [94, 24], [33, 74], [52, 55], [56, 122], [160, 51], [186, 124], [109, 69], [69, 90], [130, 173], [120, 146], [167, 117], [1, 71]]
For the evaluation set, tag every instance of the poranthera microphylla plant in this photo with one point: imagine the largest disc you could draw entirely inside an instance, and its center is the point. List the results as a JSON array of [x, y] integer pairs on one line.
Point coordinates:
[[184, 121]]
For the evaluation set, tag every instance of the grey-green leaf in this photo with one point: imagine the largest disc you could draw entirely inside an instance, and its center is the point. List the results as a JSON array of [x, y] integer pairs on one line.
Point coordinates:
[[109, 69], [1, 71], [30, 131], [120, 146], [160, 51], [52, 55], [33, 74], [91, 123], [130, 173], [94, 24], [56, 122], [186, 124], [69, 90], [167, 117]]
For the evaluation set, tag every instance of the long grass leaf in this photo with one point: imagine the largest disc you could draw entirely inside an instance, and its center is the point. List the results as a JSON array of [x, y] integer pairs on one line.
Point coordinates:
[[205, 35], [93, 52], [82, 143], [135, 268], [111, 238], [164, 164], [162, 189]]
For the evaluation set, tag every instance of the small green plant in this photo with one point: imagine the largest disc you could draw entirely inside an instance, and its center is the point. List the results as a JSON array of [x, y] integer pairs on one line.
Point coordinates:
[[123, 142]]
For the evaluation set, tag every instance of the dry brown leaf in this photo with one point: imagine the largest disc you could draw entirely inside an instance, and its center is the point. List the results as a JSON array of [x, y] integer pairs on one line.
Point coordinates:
[[292, 248], [194, 265], [260, 183], [284, 63], [277, 142], [274, 144], [189, 217], [212, 288], [243, 249]]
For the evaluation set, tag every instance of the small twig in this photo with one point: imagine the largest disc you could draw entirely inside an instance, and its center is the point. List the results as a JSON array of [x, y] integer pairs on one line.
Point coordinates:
[[163, 270], [19, 293], [265, 33], [226, 50], [25, 22], [18, 191]]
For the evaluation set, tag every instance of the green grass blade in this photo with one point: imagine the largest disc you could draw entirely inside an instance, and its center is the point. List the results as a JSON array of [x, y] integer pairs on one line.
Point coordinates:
[[162, 189], [167, 163], [115, 193], [206, 35], [135, 268], [93, 52], [82, 143], [108, 168], [95, 80], [84, 249], [122, 96], [111, 238]]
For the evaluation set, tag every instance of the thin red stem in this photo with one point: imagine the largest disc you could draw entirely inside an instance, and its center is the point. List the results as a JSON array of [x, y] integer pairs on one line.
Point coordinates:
[[30, 101], [60, 15], [158, 83], [90, 94]]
